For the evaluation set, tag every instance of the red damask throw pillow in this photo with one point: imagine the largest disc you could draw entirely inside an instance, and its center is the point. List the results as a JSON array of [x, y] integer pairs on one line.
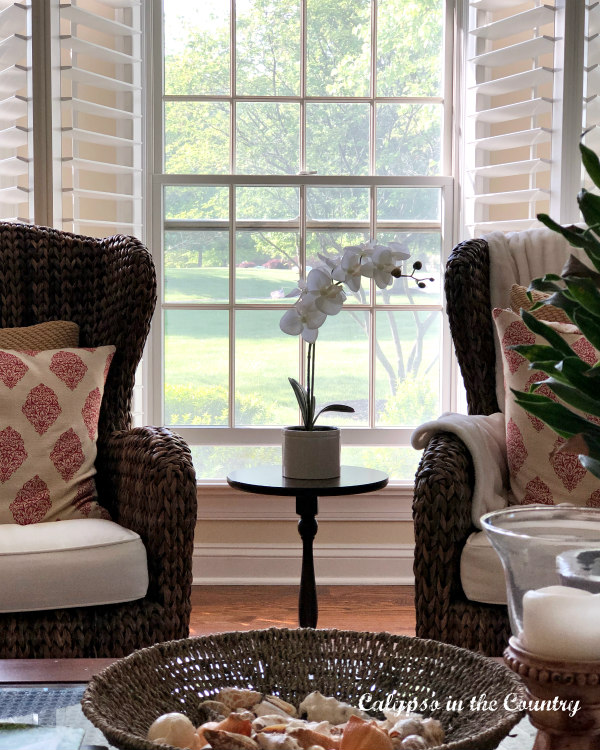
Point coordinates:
[[49, 408], [539, 474]]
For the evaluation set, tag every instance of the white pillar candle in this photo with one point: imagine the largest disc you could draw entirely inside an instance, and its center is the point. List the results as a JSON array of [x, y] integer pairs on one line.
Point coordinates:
[[562, 622]]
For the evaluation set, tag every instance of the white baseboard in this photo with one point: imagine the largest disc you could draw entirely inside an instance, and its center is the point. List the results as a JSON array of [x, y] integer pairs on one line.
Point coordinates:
[[279, 564]]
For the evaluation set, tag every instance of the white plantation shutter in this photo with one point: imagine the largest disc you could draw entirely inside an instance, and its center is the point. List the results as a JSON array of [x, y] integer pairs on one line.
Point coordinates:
[[591, 79], [101, 91], [509, 106], [16, 147]]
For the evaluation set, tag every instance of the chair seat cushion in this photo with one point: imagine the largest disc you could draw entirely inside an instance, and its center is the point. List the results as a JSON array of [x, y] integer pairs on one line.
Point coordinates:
[[73, 563], [481, 572]]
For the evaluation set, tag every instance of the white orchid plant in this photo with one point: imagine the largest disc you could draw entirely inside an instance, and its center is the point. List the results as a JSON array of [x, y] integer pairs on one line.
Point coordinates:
[[322, 294]]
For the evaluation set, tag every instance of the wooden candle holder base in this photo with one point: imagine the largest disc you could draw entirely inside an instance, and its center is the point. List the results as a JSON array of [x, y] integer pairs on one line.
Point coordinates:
[[561, 726]]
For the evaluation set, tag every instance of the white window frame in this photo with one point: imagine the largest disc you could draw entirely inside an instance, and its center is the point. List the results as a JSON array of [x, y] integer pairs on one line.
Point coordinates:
[[271, 436]]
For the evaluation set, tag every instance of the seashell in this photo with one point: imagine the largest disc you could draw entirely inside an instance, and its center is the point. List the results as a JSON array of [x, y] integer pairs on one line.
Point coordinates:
[[202, 727], [173, 729], [316, 747], [220, 740], [308, 737], [244, 714], [269, 720], [360, 734], [404, 727], [433, 731], [414, 742], [274, 728], [266, 707], [236, 724], [277, 741], [319, 708], [282, 705], [212, 711], [239, 697]]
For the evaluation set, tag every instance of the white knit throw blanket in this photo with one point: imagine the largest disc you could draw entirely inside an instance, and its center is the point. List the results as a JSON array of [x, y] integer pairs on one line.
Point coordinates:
[[485, 439]]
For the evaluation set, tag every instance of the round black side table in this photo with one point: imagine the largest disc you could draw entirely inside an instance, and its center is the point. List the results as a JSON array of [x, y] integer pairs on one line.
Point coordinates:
[[268, 480]]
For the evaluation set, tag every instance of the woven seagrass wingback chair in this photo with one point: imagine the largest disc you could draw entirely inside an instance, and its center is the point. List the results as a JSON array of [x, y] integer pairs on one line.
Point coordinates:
[[145, 475], [444, 480]]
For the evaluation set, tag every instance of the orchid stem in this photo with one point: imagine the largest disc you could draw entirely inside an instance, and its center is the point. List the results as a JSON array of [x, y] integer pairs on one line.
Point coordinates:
[[310, 383]]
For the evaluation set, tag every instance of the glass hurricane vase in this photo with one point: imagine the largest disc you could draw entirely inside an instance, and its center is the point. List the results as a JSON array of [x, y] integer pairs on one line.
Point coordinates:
[[551, 561]]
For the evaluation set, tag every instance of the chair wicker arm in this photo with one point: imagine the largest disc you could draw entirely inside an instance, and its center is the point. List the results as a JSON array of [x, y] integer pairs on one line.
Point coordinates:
[[148, 483], [442, 520], [467, 290]]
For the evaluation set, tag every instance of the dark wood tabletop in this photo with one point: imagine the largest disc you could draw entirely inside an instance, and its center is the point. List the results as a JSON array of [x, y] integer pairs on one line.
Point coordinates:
[[32, 671], [268, 480]]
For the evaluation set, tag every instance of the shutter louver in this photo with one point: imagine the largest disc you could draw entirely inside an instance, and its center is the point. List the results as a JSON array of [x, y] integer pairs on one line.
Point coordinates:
[[101, 117], [510, 77], [591, 80], [16, 146]]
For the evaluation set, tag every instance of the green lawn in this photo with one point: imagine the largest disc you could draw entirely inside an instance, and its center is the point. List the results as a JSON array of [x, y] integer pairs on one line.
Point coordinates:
[[196, 351]]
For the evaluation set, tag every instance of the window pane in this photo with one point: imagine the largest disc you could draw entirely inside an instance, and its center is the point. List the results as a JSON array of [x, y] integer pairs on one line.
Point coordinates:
[[196, 47], [337, 138], [332, 244], [265, 358], [338, 48], [216, 461], [342, 367], [337, 204], [196, 367], [197, 137], [267, 203], [268, 138], [407, 389], [408, 139], [266, 265], [409, 204], [196, 266], [409, 48], [268, 47], [196, 203], [427, 248], [400, 463]]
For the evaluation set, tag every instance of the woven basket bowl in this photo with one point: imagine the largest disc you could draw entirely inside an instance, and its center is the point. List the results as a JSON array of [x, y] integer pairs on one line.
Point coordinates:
[[128, 696]]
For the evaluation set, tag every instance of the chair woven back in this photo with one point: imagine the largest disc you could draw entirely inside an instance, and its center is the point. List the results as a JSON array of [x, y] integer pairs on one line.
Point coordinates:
[[107, 286], [467, 289]]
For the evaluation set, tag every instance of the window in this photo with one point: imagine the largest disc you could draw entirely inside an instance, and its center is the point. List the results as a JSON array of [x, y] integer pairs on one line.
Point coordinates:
[[294, 128]]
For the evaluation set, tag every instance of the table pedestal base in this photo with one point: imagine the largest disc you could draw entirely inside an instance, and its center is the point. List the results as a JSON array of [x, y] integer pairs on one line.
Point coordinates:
[[308, 610]]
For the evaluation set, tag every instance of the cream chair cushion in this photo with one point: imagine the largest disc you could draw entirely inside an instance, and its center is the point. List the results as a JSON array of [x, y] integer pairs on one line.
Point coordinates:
[[481, 572], [73, 563]]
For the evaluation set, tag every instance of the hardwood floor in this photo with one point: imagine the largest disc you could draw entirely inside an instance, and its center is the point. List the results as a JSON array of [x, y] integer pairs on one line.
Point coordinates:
[[217, 609]]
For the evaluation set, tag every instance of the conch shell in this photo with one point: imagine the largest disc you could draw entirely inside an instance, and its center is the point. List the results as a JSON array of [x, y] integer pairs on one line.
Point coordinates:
[[308, 737], [414, 742], [276, 741], [221, 740], [212, 711], [282, 705], [239, 697], [319, 708], [360, 734]]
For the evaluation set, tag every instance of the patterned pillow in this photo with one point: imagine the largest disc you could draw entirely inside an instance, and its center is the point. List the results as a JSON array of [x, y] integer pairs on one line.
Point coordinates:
[[55, 334], [537, 473], [49, 408], [519, 299]]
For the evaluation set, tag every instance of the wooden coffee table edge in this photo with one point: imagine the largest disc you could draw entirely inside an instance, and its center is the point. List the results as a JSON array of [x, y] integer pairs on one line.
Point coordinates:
[[35, 671]]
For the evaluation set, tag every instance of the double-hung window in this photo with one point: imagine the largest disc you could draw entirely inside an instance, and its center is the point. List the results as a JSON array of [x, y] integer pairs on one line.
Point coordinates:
[[286, 130]]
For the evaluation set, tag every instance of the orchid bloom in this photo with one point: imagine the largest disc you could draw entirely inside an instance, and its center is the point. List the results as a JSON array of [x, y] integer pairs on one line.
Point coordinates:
[[350, 269], [304, 319], [328, 295], [382, 262]]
